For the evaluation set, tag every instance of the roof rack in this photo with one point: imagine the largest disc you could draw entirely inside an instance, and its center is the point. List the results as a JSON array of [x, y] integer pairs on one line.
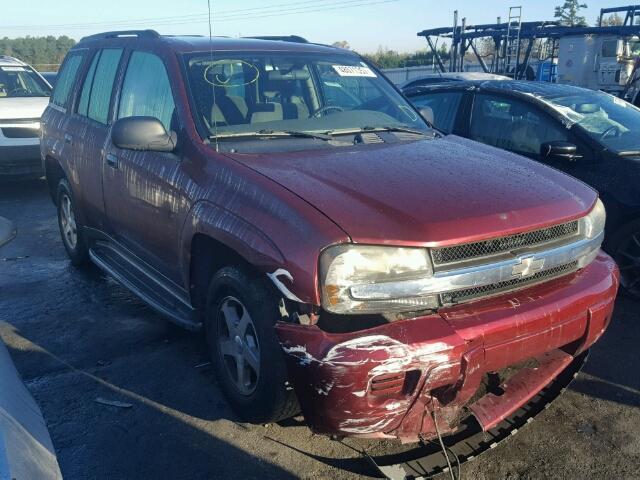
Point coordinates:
[[123, 34], [283, 38]]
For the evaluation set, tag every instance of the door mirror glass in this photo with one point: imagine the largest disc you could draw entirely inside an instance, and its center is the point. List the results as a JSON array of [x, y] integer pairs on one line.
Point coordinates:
[[559, 151], [142, 133], [438, 108]]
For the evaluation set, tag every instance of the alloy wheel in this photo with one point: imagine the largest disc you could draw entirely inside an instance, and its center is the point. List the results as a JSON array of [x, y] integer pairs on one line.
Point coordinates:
[[238, 345], [68, 222]]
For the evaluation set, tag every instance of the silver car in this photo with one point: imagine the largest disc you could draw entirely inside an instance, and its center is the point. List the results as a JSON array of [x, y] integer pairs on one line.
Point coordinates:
[[24, 95]]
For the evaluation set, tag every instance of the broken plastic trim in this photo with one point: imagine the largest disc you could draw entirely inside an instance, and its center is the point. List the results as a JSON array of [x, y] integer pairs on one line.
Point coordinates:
[[470, 441], [289, 295]]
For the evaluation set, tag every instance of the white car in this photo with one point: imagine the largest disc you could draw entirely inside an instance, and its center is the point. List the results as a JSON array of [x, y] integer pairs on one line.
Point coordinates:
[[433, 78], [24, 95]]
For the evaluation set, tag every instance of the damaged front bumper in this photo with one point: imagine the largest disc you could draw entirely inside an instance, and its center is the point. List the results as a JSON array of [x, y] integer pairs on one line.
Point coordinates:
[[387, 381]]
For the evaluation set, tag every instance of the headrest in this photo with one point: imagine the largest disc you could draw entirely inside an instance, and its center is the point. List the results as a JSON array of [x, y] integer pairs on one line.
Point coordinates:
[[587, 108], [279, 75]]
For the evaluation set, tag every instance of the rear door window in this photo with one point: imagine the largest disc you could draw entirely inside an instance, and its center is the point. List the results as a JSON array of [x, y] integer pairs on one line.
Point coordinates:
[[513, 125], [66, 79], [444, 105], [98, 85], [146, 90]]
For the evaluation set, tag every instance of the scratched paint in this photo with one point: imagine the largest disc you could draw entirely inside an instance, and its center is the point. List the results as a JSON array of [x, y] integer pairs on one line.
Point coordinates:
[[483, 336]]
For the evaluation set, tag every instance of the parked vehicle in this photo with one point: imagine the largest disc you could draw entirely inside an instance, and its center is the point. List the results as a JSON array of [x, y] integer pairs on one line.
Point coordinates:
[[341, 256], [438, 78], [24, 95], [50, 77], [591, 135]]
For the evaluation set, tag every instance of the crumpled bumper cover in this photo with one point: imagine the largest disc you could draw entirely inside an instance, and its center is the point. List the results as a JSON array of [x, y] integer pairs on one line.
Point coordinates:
[[385, 382]]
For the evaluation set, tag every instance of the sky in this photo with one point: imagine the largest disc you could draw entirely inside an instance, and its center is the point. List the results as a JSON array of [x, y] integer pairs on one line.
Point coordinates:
[[364, 24]]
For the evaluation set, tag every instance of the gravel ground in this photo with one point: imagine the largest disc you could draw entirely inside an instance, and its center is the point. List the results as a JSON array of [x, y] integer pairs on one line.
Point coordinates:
[[76, 336]]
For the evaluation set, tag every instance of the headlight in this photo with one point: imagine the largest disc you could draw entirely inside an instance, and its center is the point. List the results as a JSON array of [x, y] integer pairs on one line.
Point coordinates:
[[374, 279], [593, 223]]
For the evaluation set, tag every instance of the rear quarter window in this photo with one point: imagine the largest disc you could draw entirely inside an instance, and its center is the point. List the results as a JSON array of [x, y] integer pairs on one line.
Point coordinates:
[[98, 85], [66, 79]]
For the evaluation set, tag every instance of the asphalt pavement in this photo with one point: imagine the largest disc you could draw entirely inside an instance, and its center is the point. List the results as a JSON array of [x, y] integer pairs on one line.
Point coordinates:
[[126, 395]]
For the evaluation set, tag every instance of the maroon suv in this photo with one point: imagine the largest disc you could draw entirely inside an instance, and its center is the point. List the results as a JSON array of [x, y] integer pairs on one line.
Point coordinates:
[[342, 257]]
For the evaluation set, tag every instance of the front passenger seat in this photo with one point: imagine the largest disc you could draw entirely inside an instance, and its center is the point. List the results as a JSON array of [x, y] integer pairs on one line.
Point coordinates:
[[229, 109], [267, 112]]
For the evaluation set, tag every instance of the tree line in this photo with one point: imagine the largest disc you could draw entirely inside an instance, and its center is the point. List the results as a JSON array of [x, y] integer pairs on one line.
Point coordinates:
[[43, 53]]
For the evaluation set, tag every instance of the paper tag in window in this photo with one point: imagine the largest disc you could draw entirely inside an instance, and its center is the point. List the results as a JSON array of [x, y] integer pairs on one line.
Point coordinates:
[[13, 69], [351, 71]]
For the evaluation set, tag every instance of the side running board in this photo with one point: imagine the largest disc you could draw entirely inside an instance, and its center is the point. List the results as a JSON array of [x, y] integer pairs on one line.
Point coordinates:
[[155, 291]]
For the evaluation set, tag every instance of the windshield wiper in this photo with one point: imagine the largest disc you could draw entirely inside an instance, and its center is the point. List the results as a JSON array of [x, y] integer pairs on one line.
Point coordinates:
[[271, 134], [390, 128], [629, 153]]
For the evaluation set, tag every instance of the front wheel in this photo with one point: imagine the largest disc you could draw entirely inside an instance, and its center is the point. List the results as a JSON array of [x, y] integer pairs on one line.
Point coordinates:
[[72, 235], [625, 249], [249, 363]]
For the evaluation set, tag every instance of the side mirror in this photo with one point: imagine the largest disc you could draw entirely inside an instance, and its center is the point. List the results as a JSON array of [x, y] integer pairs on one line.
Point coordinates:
[[427, 114], [142, 133], [559, 150]]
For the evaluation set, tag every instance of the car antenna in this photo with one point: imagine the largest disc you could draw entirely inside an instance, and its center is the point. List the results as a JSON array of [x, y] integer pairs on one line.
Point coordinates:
[[212, 82]]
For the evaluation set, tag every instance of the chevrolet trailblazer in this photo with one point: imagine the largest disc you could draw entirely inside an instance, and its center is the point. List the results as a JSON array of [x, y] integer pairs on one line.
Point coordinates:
[[342, 257]]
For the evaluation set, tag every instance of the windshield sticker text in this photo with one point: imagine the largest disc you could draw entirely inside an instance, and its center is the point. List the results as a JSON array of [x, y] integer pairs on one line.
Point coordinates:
[[351, 71]]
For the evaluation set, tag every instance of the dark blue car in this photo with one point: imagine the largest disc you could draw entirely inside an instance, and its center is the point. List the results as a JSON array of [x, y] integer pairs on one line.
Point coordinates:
[[588, 134]]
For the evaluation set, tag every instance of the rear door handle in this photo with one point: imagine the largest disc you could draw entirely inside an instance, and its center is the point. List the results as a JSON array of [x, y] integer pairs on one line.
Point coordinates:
[[112, 161], [68, 139]]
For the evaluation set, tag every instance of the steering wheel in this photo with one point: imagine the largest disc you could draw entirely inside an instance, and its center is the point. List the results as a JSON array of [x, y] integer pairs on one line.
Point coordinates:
[[612, 131], [323, 110], [18, 91]]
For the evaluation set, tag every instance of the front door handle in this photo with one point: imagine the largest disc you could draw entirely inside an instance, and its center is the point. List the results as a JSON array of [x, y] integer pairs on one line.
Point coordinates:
[[68, 139], [112, 161]]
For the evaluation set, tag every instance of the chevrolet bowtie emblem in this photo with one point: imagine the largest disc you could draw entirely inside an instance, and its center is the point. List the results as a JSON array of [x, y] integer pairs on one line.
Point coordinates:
[[527, 266]]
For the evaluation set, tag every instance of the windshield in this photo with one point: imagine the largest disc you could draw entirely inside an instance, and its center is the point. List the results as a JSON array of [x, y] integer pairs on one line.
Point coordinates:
[[18, 81], [242, 93], [609, 120]]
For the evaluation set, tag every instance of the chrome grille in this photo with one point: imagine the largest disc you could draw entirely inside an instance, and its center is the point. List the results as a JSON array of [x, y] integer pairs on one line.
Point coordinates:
[[502, 287], [457, 253]]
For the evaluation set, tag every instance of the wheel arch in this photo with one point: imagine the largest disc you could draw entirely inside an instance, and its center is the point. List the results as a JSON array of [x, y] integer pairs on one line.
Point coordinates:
[[214, 237], [53, 173]]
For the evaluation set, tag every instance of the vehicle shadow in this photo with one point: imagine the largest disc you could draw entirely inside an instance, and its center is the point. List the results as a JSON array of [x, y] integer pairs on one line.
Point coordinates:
[[139, 436]]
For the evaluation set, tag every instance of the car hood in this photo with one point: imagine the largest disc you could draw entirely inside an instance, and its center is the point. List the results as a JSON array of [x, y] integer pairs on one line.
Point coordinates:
[[429, 193], [18, 108]]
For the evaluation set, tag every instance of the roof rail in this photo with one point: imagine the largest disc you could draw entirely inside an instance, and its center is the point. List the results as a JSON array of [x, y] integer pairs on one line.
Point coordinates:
[[283, 38], [9, 58], [123, 33]]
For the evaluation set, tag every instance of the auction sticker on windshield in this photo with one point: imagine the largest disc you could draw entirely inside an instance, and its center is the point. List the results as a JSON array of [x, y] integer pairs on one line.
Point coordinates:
[[353, 71]]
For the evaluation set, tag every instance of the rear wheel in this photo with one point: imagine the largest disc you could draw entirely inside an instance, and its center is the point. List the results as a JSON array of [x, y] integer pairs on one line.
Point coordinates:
[[249, 363], [625, 247], [72, 236]]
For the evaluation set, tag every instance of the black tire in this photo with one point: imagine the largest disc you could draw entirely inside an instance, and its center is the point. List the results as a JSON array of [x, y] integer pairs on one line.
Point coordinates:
[[623, 245], [271, 399], [77, 251]]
